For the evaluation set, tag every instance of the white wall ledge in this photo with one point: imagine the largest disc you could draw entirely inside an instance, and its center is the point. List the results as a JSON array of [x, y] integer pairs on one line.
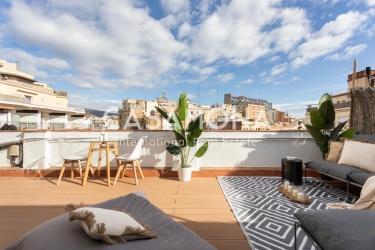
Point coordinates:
[[226, 148]]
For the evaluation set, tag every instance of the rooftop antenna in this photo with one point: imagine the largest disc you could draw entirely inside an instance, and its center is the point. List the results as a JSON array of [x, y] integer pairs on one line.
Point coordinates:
[[217, 96], [354, 76]]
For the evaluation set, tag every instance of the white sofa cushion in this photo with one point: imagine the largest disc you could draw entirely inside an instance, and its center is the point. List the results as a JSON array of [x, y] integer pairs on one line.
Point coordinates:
[[358, 154]]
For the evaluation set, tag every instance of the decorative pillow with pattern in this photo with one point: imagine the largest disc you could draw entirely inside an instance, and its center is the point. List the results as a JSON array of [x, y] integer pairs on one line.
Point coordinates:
[[111, 226], [335, 149]]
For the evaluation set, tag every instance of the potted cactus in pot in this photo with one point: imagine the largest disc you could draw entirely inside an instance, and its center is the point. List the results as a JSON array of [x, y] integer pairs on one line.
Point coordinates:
[[186, 137]]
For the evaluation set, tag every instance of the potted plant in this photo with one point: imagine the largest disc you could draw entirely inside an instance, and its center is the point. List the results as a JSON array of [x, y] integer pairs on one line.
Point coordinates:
[[185, 140], [322, 121]]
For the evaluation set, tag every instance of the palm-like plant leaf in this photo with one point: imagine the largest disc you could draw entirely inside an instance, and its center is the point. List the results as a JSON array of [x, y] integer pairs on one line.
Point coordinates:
[[336, 131], [318, 137], [180, 138], [317, 120], [315, 133], [349, 133], [325, 97], [194, 130], [173, 149], [319, 127], [182, 107], [177, 126], [327, 111], [325, 146], [202, 150], [170, 119]]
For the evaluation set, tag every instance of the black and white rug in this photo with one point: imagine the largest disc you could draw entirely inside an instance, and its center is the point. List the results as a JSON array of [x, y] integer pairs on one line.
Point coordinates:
[[266, 216]]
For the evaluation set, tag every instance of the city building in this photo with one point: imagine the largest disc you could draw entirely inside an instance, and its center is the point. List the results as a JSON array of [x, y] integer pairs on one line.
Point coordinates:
[[276, 116], [238, 100], [342, 101], [142, 114], [131, 115], [149, 119], [252, 112], [28, 104], [364, 78]]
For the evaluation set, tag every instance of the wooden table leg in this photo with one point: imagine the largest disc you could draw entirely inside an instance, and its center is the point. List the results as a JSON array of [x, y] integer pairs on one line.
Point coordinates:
[[88, 165], [100, 160], [108, 164]]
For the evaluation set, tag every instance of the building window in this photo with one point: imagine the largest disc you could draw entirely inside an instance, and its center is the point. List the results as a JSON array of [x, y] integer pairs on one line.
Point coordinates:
[[28, 99]]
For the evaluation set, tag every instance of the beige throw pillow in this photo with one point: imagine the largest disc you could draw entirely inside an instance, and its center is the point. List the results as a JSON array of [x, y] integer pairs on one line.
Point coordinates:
[[111, 226], [358, 154], [335, 149]]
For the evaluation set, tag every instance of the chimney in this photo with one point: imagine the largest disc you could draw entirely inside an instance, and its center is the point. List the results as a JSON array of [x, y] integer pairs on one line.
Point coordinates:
[[18, 65], [368, 71]]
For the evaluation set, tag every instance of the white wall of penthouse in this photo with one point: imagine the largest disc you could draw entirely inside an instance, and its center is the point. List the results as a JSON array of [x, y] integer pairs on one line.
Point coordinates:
[[226, 148]]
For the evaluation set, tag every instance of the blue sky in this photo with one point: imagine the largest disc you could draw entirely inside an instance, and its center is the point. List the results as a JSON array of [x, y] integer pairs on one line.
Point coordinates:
[[101, 52]]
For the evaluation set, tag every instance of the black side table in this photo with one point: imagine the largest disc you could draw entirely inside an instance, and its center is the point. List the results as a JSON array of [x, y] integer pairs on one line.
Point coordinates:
[[291, 170]]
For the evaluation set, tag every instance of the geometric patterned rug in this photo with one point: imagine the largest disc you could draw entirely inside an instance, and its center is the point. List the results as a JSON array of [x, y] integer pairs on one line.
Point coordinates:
[[266, 216]]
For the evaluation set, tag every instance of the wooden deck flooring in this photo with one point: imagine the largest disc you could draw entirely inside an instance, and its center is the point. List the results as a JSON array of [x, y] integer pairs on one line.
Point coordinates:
[[200, 204]]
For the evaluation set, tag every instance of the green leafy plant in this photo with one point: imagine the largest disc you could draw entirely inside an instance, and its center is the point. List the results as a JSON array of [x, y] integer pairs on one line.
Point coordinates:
[[185, 140], [322, 125]]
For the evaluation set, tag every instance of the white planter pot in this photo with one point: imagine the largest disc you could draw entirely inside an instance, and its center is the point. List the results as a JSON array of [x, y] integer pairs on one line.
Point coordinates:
[[184, 174]]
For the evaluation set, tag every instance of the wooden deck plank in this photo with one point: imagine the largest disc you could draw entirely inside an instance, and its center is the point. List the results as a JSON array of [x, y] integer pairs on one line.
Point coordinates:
[[199, 204]]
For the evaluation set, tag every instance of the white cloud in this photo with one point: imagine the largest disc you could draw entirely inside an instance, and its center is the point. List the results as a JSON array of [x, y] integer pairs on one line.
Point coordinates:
[[225, 77], [177, 12], [348, 53], [370, 2], [232, 34], [114, 39], [297, 109], [207, 71], [325, 2], [184, 66], [184, 30], [248, 81], [78, 101], [296, 78], [202, 9], [268, 79], [294, 27], [37, 66], [278, 69], [175, 6], [263, 74], [111, 45], [274, 58], [329, 38]]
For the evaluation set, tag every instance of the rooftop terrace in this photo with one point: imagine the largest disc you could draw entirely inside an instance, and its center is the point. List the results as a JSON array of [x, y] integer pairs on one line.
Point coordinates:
[[200, 204]]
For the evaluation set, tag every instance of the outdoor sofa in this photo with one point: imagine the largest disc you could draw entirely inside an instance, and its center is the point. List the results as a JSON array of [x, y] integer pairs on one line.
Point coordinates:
[[335, 229], [351, 161], [60, 233]]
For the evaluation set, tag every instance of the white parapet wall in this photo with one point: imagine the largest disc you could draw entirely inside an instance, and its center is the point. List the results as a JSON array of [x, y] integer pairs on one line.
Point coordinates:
[[41, 150]]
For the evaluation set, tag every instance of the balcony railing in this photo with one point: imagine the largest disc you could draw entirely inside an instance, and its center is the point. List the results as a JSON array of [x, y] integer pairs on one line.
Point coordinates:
[[51, 126], [28, 125], [342, 105], [256, 149]]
